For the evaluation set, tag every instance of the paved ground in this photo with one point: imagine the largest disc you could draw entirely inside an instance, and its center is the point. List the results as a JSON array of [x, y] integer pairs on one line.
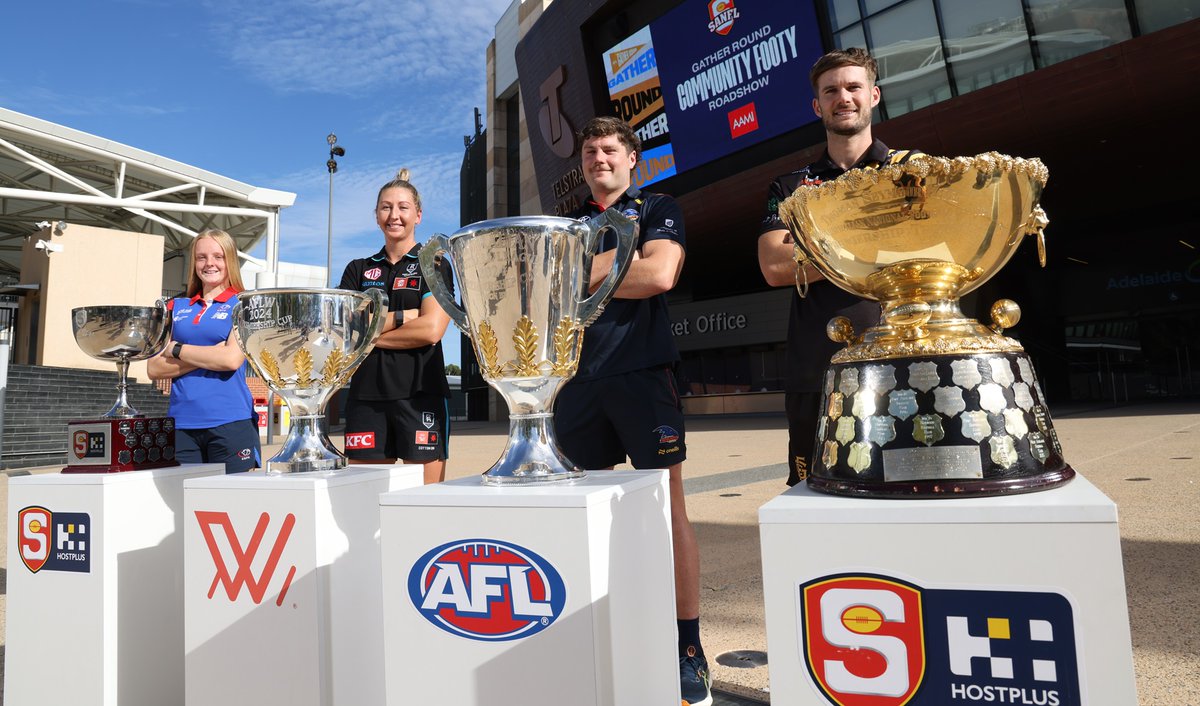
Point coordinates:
[[1145, 457]]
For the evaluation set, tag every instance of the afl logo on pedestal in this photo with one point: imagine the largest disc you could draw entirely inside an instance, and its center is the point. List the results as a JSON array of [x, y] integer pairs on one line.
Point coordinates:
[[485, 589]]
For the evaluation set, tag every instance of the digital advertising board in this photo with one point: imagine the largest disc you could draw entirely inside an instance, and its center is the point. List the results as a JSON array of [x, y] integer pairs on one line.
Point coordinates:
[[711, 77]]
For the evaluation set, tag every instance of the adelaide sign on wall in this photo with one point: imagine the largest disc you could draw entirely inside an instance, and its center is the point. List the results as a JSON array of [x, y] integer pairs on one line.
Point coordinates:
[[711, 77]]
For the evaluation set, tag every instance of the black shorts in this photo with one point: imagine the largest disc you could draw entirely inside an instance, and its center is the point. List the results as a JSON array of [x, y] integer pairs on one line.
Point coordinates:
[[802, 414], [416, 429], [600, 422], [235, 444]]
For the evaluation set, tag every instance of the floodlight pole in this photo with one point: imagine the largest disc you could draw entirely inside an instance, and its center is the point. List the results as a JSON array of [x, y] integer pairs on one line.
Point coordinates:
[[335, 150]]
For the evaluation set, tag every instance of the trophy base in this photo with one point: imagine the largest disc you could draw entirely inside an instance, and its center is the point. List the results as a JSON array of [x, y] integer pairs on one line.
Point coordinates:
[[924, 489], [306, 449], [935, 427], [531, 455], [112, 445]]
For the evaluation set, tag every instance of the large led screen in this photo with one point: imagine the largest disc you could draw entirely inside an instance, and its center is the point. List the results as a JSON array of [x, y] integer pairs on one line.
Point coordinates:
[[711, 77]]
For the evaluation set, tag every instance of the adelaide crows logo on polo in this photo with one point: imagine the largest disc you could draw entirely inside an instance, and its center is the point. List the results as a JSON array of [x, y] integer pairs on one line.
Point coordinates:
[[486, 589], [872, 640]]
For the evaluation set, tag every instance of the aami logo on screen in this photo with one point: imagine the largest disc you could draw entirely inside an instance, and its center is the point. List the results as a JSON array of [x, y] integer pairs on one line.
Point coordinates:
[[878, 641], [743, 120], [486, 589]]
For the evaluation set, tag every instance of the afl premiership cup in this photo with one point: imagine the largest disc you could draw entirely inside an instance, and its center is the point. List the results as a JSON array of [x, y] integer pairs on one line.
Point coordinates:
[[928, 403], [123, 439], [305, 344], [525, 304]]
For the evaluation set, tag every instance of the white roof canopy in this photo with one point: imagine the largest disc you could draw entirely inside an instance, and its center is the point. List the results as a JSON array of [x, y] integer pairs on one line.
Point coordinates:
[[53, 173]]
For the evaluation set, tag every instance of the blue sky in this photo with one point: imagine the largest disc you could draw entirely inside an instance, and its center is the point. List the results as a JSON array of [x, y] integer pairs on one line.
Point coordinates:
[[249, 90]]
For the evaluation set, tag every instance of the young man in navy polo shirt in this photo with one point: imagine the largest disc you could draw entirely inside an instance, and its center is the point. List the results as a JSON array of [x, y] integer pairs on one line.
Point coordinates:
[[843, 82], [623, 400]]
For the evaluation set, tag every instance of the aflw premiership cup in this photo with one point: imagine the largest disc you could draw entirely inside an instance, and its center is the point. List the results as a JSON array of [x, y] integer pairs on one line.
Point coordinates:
[[928, 403], [524, 284], [305, 344], [123, 439]]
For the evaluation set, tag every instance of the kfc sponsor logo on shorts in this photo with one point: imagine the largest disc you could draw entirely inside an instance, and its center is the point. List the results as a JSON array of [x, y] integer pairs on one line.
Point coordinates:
[[360, 440], [426, 438], [373, 273]]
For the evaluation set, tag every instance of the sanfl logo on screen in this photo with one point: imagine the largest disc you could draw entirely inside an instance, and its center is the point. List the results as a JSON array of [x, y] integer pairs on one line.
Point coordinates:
[[722, 13]]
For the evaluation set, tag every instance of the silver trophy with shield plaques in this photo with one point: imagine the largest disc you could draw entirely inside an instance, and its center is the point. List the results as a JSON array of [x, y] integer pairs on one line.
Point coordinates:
[[525, 305], [305, 344], [123, 439]]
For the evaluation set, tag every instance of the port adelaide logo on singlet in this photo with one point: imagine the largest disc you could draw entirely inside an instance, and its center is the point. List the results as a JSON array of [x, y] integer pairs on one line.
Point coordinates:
[[487, 590], [872, 640]]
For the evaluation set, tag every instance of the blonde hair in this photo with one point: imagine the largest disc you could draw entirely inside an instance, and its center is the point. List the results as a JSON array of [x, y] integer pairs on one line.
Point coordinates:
[[401, 181], [232, 271]]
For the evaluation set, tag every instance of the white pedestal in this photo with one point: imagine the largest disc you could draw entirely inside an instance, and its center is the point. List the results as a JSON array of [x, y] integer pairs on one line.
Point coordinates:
[[100, 621], [282, 587], [986, 600], [480, 559]]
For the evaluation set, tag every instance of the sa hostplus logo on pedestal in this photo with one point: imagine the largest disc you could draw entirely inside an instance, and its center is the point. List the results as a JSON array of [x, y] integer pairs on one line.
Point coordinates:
[[872, 640]]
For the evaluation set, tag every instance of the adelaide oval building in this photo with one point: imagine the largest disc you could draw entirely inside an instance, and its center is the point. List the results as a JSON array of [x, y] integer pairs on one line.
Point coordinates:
[[1104, 92]]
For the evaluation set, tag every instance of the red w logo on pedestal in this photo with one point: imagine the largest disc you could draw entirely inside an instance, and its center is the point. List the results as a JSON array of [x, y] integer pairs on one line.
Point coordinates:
[[244, 558]]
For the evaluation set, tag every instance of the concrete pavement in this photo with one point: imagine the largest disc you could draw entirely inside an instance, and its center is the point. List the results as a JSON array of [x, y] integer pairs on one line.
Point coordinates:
[[1145, 457]]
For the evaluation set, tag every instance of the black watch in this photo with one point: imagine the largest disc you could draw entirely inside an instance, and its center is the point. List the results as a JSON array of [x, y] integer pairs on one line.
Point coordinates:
[[399, 318], [176, 350]]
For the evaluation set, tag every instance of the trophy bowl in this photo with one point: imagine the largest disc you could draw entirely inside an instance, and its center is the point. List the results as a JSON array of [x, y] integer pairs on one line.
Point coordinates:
[[524, 285], [305, 344], [121, 334], [929, 402]]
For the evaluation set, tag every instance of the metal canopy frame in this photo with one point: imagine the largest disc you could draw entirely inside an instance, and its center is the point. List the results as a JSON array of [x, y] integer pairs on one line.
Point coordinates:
[[52, 173]]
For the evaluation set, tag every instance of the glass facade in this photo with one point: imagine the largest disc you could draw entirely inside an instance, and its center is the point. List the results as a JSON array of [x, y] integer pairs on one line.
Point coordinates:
[[736, 370], [1153, 15], [932, 50]]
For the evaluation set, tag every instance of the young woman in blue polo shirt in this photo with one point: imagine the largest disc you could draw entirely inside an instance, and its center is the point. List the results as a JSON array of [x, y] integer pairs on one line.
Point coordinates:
[[211, 404]]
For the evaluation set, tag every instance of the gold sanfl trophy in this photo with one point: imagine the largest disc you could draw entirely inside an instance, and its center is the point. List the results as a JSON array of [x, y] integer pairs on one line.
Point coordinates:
[[928, 403]]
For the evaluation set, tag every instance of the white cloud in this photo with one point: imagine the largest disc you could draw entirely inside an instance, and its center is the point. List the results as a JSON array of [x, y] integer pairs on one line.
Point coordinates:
[[358, 47], [40, 101], [304, 227]]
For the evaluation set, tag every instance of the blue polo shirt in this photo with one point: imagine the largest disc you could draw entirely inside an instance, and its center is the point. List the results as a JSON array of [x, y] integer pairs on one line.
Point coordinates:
[[203, 399]]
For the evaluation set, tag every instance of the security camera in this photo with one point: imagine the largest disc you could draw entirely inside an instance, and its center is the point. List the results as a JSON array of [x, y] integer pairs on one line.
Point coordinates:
[[48, 247], [41, 225]]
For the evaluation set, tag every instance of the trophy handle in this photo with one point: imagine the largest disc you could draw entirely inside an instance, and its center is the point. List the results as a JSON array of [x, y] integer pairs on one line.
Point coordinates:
[[627, 231], [379, 301], [436, 246], [801, 259]]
